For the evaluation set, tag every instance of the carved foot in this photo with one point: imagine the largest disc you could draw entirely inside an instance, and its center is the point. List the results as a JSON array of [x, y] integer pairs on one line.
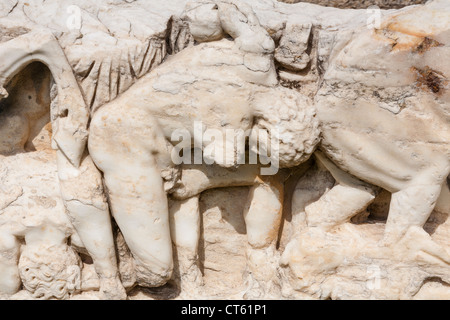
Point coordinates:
[[112, 289], [418, 243], [262, 277], [189, 278], [258, 289]]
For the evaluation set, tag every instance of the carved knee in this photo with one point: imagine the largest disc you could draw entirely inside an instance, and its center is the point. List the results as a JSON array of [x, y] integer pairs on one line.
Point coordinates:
[[150, 277]]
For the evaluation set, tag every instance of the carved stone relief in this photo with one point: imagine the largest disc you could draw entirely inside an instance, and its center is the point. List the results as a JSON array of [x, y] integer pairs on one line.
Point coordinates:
[[223, 149]]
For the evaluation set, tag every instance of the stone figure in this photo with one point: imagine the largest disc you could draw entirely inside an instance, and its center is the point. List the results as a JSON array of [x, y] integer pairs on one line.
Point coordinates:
[[416, 167], [69, 117], [352, 113], [372, 96], [141, 121]]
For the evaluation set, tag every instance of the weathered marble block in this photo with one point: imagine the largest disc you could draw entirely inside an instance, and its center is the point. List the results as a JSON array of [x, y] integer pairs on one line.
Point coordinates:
[[224, 149]]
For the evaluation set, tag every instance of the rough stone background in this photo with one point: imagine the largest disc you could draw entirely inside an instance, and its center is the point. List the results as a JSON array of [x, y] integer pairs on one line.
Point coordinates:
[[361, 4]]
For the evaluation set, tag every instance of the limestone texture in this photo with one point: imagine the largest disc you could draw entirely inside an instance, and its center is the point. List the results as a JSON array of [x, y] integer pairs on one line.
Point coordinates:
[[224, 149]]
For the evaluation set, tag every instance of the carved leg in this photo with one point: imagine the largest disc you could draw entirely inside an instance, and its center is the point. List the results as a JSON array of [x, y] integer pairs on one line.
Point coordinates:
[[262, 216], [309, 189], [124, 144], [411, 208], [84, 199], [9, 258], [185, 232], [185, 213], [346, 199], [443, 202], [412, 205], [196, 179]]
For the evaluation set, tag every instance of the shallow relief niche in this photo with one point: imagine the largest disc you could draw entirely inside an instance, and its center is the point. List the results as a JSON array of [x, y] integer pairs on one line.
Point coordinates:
[[349, 198]]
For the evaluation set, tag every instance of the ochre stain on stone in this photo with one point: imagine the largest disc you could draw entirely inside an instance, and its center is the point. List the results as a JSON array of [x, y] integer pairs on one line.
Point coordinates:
[[430, 79], [426, 45]]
